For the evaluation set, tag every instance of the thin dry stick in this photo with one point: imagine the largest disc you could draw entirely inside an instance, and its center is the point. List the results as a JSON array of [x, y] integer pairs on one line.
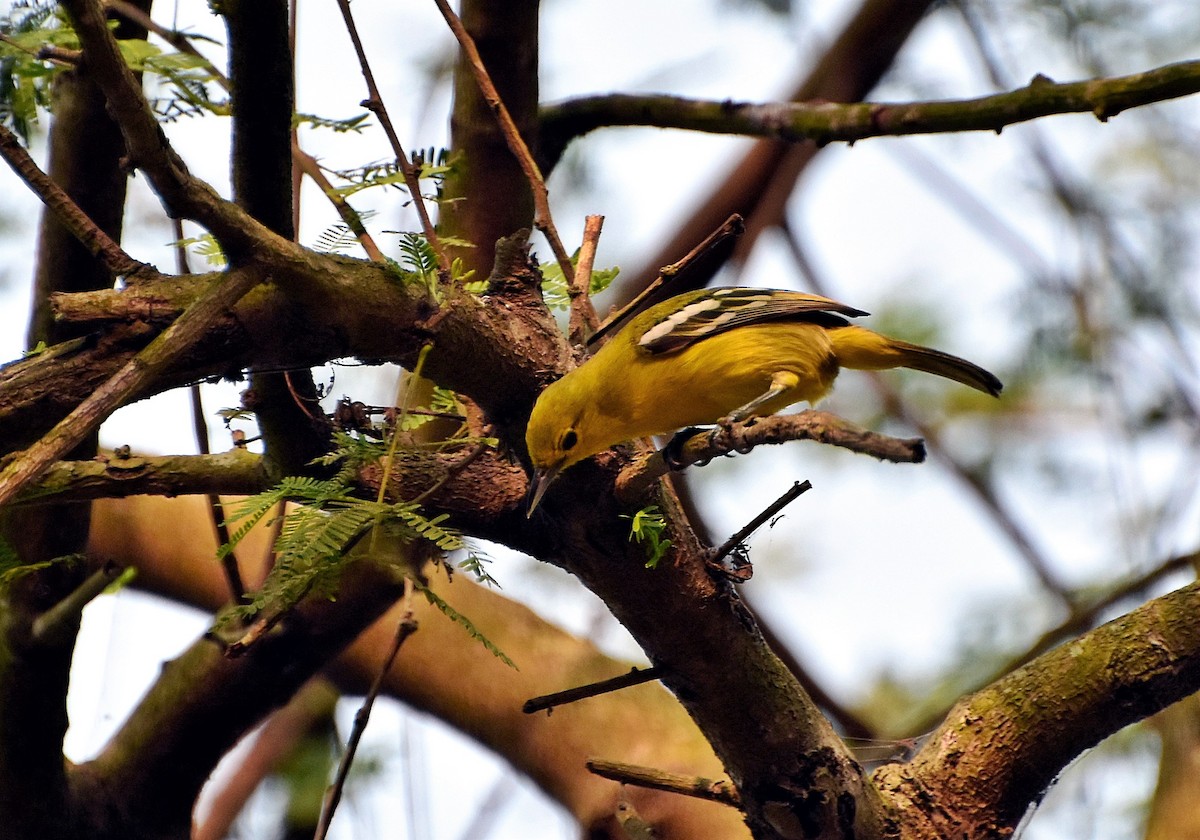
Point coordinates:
[[754, 524], [307, 164], [173, 37], [714, 790], [58, 55], [542, 219], [374, 103], [583, 320], [99, 244], [733, 226], [820, 426], [229, 562], [60, 623], [636, 676], [406, 627]]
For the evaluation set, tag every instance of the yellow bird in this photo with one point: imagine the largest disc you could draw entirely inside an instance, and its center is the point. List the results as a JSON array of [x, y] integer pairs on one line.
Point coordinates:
[[716, 355]]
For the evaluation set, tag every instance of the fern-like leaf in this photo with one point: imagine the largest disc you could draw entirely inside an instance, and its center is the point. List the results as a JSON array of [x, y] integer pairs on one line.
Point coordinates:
[[464, 622]]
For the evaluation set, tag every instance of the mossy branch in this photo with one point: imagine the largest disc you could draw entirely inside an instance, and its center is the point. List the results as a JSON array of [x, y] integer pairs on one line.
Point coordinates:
[[1048, 712], [829, 122]]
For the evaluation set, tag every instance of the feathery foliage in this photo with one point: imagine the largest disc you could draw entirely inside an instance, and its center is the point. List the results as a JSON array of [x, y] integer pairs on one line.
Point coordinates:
[[326, 521], [24, 76], [466, 624]]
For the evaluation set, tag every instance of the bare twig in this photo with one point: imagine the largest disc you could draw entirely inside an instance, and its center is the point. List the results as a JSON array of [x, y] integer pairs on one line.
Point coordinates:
[[307, 164], [374, 103], [98, 243], [406, 627], [542, 219], [175, 38], [732, 227], [229, 561], [200, 428], [546, 702], [714, 790], [183, 194], [60, 623], [583, 321], [757, 522]]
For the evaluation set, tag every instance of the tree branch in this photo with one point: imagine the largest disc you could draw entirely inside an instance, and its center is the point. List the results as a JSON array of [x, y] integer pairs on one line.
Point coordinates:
[[715, 790], [236, 472], [1044, 715], [820, 426], [828, 122], [183, 194], [133, 377], [98, 243], [542, 218], [446, 673]]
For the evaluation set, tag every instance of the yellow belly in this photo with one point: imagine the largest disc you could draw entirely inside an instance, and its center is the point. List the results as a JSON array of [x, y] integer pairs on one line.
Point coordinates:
[[714, 377]]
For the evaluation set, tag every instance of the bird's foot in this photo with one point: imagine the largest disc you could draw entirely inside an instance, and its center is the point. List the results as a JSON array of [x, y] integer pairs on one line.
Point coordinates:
[[672, 453]]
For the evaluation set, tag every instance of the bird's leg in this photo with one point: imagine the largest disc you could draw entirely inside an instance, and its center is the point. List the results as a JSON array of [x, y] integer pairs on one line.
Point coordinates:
[[782, 382]]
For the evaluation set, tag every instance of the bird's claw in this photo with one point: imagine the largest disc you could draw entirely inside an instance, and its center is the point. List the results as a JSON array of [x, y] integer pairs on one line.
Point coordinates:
[[723, 436], [672, 453]]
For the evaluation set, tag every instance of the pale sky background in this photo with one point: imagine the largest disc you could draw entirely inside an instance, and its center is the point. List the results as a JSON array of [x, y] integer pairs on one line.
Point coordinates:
[[879, 568]]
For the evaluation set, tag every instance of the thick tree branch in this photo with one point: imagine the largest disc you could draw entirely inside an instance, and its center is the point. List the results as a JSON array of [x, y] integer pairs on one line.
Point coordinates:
[[1000, 748], [301, 159], [489, 195], [828, 122], [446, 673], [1083, 617], [374, 103], [34, 675], [133, 377], [204, 702], [236, 472], [542, 218], [758, 186]]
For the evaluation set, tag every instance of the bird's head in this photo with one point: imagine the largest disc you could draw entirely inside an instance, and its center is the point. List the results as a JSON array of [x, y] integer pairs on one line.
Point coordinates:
[[563, 430]]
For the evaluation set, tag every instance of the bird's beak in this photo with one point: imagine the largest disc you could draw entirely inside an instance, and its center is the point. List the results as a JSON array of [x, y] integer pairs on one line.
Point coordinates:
[[537, 487]]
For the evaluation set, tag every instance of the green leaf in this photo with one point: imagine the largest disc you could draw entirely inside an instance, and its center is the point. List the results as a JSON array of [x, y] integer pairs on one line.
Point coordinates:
[[647, 527], [554, 284]]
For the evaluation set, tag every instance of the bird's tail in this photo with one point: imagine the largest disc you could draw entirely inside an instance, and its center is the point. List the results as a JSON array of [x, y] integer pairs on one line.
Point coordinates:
[[862, 349]]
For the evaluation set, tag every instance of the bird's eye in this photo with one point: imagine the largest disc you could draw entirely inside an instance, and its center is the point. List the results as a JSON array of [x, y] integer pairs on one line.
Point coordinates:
[[569, 439]]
